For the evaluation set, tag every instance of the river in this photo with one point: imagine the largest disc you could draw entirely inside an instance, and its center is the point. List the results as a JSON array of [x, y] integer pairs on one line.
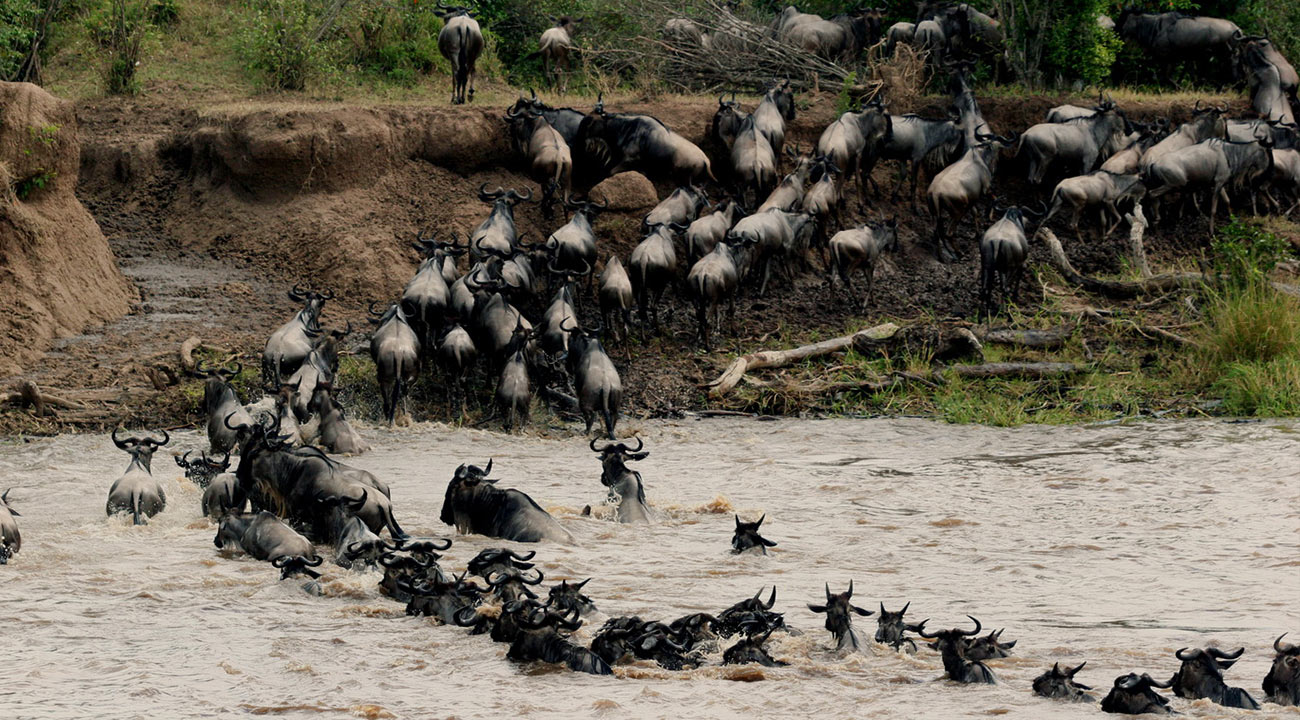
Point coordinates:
[[1113, 544]]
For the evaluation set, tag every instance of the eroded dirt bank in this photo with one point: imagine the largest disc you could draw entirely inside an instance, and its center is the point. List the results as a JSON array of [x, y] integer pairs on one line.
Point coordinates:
[[215, 213]]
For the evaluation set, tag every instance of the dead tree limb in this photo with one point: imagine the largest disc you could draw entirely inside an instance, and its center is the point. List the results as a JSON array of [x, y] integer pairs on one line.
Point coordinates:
[[1033, 370], [28, 394], [727, 382], [1116, 289], [1048, 339]]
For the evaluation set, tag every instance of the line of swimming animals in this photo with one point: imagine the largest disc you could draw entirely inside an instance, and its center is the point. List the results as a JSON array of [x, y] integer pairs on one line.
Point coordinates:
[[508, 610]]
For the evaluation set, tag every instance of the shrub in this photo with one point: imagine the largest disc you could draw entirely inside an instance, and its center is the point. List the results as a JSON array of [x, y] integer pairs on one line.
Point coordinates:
[[398, 42], [280, 43], [125, 38]]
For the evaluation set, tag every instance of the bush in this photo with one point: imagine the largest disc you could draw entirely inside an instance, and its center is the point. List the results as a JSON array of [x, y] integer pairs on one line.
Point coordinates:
[[126, 31], [399, 43], [279, 43], [1245, 254]]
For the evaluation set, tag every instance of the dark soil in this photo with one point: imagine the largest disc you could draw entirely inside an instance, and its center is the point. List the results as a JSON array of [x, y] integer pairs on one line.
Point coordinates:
[[215, 216]]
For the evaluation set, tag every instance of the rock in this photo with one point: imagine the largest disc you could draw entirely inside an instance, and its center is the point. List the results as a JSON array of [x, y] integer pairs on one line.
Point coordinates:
[[626, 192], [57, 272]]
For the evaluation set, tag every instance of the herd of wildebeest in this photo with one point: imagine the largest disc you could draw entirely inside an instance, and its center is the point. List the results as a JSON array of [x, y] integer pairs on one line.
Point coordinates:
[[471, 323]]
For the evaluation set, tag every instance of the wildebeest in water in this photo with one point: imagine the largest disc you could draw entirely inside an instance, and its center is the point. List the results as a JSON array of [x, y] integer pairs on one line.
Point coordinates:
[[838, 619]]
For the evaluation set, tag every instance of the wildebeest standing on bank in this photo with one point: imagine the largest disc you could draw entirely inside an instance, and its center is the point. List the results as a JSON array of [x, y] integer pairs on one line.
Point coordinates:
[[136, 492], [396, 353], [461, 42], [11, 541], [599, 387], [959, 186], [474, 505], [612, 142], [860, 247], [555, 46]]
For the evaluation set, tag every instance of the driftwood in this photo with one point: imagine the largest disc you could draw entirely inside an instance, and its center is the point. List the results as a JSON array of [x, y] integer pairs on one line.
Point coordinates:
[[1117, 289], [27, 394], [940, 343], [1031, 370], [1039, 339], [1150, 332], [188, 347], [781, 358]]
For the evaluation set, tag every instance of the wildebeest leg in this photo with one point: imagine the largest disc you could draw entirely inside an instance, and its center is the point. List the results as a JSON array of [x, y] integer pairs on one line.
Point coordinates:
[[702, 320], [870, 297], [611, 420], [767, 273], [1118, 218], [731, 313]]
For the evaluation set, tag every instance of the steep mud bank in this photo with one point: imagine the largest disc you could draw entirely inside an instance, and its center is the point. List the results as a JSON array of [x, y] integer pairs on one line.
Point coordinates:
[[219, 211], [57, 273]]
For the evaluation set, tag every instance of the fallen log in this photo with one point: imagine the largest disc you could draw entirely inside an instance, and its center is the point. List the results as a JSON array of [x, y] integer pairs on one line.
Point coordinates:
[[27, 394], [1048, 339], [940, 343], [727, 382], [1116, 289], [1030, 370]]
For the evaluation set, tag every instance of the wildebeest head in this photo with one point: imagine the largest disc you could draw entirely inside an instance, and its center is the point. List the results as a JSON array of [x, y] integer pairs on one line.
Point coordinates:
[[566, 597], [1058, 683], [890, 627], [746, 537], [499, 560], [1132, 694], [313, 303], [297, 565], [468, 481], [1201, 676], [783, 97], [614, 458], [656, 641], [141, 450], [1210, 120], [446, 12], [951, 645], [750, 650], [747, 612], [216, 382], [989, 647], [502, 197], [838, 620], [201, 471], [694, 629], [727, 121], [1282, 684], [511, 584]]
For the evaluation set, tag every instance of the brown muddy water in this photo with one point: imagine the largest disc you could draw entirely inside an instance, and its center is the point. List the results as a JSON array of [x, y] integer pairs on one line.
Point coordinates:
[[1116, 545]]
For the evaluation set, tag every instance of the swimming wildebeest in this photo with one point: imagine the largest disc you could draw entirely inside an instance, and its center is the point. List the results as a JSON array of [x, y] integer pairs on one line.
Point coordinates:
[[474, 505], [11, 541], [263, 536], [1060, 684], [890, 628], [1282, 684], [136, 492], [1133, 695], [838, 619], [952, 646], [1201, 676], [746, 537], [624, 484]]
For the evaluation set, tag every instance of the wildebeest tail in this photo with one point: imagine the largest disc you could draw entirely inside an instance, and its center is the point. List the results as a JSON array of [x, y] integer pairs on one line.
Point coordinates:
[[137, 517], [462, 55]]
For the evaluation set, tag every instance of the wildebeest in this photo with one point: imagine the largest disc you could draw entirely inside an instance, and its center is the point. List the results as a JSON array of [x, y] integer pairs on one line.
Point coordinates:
[[1103, 188], [842, 37], [773, 112], [838, 619], [615, 142], [952, 646], [1201, 676], [547, 153], [1282, 683], [426, 299], [1174, 35], [541, 638], [263, 536], [566, 598], [891, 629], [959, 186], [771, 234], [354, 542], [684, 32], [456, 355], [201, 471], [624, 484], [1004, 248], [746, 537], [900, 33], [1059, 684], [726, 122], [136, 492], [444, 599], [572, 247], [713, 280], [11, 541], [335, 433], [566, 121], [1079, 143], [681, 207], [653, 267], [461, 42], [219, 400], [753, 163], [788, 194], [596, 380], [750, 650], [860, 247], [555, 46], [1264, 78], [1133, 695], [750, 611], [1211, 164], [1129, 159], [616, 297], [497, 234], [914, 140], [395, 350], [853, 142], [475, 505], [989, 647], [290, 344], [223, 495], [824, 203], [514, 393], [1206, 123], [708, 230]]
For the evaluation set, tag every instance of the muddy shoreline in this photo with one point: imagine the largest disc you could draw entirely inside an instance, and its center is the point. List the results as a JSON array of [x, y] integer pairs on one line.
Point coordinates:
[[214, 213]]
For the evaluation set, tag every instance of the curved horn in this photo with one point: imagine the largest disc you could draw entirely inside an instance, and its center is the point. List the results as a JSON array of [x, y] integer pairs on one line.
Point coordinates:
[[522, 558], [537, 581], [1281, 647], [1072, 671], [1226, 655], [639, 443], [772, 599], [1185, 657], [166, 439], [123, 444], [976, 631], [1156, 683]]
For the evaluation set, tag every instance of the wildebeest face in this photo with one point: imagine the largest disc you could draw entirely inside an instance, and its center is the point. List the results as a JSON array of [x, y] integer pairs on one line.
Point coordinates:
[[1133, 695], [837, 608], [202, 471], [566, 597], [461, 489], [746, 537], [890, 627], [693, 630], [989, 647], [1058, 683], [499, 560], [141, 450], [751, 650], [1282, 684], [1201, 676]]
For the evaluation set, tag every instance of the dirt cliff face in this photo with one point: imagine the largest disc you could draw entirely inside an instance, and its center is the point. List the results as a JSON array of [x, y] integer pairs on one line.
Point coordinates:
[[57, 273]]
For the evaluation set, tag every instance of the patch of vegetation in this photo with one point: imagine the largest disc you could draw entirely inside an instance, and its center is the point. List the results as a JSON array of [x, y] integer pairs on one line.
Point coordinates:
[[34, 183]]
